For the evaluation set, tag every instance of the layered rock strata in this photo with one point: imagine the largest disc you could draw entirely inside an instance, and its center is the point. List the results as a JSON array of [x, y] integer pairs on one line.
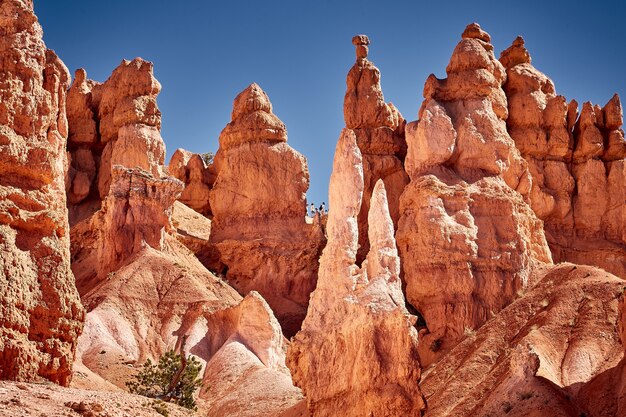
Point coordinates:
[[577, 165], [116, 122], [344, 358], [379, 129], [467, 237], [552, 352], [261, 239], [40, 312]]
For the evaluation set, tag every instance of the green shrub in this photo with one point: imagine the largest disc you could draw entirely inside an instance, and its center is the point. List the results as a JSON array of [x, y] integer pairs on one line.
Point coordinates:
[[172, 379], [207, 158]]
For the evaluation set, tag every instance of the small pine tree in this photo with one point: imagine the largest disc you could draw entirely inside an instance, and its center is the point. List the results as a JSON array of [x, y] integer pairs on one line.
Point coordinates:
[[207, 158], [174, 379]]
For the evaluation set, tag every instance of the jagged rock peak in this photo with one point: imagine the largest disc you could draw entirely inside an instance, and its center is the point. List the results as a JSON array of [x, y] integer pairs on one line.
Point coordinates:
[[515, 54], [252, 120]]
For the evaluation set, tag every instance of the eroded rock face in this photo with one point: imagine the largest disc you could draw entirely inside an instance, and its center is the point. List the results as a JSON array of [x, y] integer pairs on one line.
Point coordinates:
[[143, 290], [40, 312], [356, 354], [198, 178], [246, 373], [467, 237], [259, 232], [577, 165], [116, 122], [541, 355], [379, 129]]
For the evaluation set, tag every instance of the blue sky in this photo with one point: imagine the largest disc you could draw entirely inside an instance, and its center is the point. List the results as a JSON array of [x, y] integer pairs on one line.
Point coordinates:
[[299, 52]]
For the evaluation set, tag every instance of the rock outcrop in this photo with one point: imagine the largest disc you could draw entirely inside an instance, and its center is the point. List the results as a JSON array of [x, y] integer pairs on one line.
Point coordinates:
[[259, 233], [116, 122], [198, 178], [577, 165], [467, 237], [356, 354], [379, 129], [40, 312], [246, 373], [540, 356]]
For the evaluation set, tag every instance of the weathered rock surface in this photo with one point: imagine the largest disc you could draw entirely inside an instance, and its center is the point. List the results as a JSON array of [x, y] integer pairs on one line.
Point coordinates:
[[541, 355], [198, 178], [379, 129], [356, 354], [143, 290], [246, 373], [261, 239], [40, 312], [116, 122], [577, 168], [467, 237]]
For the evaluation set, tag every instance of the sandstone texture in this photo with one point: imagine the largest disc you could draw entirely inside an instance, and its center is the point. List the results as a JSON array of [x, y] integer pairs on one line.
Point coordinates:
[[261, 239], [467, 237], [198, 178], [40, 311], [246, 373], [116, 122], [542, 355], [576, 161], [143, 290], [379, 129], [37, 400], [344, 358], [149, 292]]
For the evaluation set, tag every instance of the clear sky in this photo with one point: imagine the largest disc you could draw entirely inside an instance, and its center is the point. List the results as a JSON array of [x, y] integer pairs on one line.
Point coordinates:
[[299, 52]]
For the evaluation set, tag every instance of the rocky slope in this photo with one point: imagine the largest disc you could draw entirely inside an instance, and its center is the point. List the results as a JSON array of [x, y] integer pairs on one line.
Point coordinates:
[[540, 356], [40, 312]]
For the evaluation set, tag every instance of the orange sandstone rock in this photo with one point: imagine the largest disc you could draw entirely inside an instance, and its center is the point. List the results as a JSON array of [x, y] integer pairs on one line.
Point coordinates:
[[545, 354], [356, 354], [576, 165], [467, 237], [40, 313], [258, 203], [198, 178], [379, 129], [128, 122]]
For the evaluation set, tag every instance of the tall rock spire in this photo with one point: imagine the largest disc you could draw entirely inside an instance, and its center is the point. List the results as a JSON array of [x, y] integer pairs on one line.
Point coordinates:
[[379, 129], [340, 358]]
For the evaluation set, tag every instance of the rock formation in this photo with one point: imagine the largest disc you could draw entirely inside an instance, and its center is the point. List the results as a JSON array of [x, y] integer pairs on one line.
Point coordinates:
[[148, 292], [379, 129], [467, 238], [541, 355], [246, 373], [356, 354], [577, 165], [116, 122], [258, 203], [198, 178], [40, 312]]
